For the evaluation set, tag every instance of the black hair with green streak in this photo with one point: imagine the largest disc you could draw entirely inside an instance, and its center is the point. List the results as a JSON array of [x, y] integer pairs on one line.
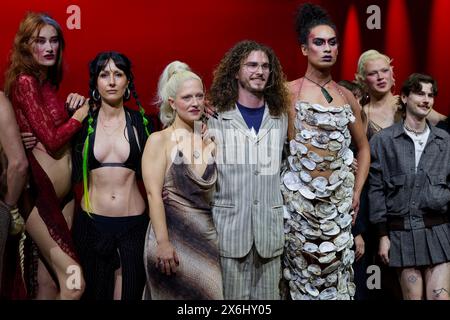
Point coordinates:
[[95, 67]]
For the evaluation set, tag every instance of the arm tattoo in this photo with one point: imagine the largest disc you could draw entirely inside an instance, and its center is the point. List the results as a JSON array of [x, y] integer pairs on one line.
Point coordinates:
[[437, 292], [412, 279]]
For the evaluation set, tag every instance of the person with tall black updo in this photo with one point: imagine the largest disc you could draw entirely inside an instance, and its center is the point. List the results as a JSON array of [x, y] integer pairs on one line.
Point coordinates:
[[320, 189]]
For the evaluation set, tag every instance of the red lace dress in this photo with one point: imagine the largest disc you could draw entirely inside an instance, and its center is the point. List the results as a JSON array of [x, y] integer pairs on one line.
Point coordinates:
[[38, 110]]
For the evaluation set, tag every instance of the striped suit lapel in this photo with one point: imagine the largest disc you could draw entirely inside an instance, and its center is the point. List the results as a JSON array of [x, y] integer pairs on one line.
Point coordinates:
[[238, 122], [266, 124]]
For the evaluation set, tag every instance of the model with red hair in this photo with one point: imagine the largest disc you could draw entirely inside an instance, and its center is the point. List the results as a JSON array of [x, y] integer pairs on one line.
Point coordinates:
[[32, 80]]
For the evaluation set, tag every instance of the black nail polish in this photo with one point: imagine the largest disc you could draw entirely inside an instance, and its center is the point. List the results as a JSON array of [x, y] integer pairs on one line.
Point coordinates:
[[216, 115]]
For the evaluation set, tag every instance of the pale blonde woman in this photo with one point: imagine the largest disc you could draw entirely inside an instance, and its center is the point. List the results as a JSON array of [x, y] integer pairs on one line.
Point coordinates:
[[179, 172], [376, 75]]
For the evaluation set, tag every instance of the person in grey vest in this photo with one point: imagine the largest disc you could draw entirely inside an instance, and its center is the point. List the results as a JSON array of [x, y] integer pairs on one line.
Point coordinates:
[[409, 195], [249, 94]]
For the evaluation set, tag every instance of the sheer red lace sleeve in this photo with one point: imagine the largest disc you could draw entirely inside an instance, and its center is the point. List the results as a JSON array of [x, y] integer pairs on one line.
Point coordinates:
[[38, 109]]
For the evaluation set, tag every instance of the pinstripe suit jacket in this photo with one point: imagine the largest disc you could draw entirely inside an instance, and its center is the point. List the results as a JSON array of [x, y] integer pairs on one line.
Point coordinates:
[[247, 205]]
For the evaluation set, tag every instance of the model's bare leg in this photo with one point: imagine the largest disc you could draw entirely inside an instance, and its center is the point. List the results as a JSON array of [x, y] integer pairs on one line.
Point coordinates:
[[47, 289], [412, 283], [58, 260], [118, 284], [437, 282], [68, 211]]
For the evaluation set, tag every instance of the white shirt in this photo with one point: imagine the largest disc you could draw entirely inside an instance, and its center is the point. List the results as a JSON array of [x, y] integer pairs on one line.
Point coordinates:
[[420, 141]]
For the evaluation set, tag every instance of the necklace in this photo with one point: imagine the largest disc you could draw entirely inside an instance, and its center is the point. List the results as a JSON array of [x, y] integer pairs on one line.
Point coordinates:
[[416, 132], [419, 134], [325, 93], [195, 153], [114, 128]]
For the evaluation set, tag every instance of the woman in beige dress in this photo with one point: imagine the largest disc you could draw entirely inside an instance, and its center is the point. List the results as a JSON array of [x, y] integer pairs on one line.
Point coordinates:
[[181, 252]]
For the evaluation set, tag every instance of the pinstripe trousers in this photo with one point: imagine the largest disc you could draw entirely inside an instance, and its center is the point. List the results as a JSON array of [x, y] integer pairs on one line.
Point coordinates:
[[251, 277]]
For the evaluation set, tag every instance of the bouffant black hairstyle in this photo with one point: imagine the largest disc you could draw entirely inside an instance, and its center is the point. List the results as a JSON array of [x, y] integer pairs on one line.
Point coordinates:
[[309, 16]]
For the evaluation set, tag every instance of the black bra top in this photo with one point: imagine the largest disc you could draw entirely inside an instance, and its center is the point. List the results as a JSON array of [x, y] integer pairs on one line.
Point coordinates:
[[133, 161]]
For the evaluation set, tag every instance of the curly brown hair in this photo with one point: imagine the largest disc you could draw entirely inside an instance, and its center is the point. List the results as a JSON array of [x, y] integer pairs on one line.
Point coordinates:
[[22, 60], [224, 89]]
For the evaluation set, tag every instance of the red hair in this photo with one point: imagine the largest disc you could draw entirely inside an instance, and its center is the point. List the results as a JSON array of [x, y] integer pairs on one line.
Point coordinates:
[[22, 60]]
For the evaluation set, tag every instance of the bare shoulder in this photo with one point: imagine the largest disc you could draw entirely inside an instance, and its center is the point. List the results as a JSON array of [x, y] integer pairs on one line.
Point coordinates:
[[347, 93], [6, 108], [294, 85], [350, 98], [4, 101], [155, 137], [293, 89], [157, 140]]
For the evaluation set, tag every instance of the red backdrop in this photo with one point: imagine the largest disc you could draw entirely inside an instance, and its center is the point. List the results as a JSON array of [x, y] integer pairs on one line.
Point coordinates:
[[154, 33]]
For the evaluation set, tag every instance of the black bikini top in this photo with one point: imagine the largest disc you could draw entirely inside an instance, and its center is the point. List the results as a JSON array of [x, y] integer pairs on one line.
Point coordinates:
[[133, 161]]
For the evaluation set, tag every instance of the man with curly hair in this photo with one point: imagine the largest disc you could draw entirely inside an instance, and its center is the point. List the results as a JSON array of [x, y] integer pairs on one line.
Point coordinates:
[[249, 94]]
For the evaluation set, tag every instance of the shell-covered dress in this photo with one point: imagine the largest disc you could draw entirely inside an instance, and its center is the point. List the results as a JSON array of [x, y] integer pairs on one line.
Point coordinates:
[[318, 240]]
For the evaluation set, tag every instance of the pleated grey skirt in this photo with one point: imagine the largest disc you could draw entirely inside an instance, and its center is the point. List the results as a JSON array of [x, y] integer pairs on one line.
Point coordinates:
[[420, 247]]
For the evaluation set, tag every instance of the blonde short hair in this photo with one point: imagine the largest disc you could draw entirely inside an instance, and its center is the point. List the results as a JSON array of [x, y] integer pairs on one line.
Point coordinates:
[[367, 56]]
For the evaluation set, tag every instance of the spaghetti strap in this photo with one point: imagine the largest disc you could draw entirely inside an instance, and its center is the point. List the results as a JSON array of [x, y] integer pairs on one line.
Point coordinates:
[[191, 231]]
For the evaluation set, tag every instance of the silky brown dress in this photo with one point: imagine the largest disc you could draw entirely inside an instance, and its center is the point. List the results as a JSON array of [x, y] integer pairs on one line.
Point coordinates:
[[186, 198]]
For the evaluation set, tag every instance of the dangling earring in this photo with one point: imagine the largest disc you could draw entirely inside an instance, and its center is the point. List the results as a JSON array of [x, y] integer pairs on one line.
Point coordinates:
[[96, 95], [127, 94]]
